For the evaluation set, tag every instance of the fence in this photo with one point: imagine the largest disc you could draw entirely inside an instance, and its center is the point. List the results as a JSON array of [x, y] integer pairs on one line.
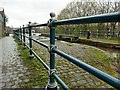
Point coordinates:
[[93, 33], [52, 23]]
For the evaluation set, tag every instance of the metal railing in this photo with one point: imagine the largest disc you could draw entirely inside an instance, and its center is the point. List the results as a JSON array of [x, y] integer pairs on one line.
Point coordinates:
[[52, 23]]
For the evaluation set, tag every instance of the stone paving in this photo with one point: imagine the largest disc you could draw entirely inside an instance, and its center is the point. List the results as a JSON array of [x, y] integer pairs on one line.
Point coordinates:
[[11, 67]]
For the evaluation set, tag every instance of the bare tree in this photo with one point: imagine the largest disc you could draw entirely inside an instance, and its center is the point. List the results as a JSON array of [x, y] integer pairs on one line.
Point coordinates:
[[82, 8]]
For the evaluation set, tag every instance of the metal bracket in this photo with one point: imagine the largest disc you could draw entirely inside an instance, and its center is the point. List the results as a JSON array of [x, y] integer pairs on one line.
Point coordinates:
[[49, 23], [52, 48], [30, 37], [52, 71]]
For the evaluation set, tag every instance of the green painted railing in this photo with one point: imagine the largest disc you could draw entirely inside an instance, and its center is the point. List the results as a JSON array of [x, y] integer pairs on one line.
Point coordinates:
[[52, 23]]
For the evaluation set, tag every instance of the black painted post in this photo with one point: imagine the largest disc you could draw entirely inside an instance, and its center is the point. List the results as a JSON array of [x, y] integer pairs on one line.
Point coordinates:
[[18, 34], [14, 33], [21, 33], [30, 40], [52, 85], [24, 37]]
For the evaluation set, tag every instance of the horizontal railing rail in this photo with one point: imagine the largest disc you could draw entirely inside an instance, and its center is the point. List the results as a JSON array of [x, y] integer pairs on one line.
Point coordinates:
[[41, 43], [112, 17], [52, 23]]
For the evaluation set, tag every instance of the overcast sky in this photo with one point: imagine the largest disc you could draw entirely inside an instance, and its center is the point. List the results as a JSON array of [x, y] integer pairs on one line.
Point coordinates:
[[20, 12]]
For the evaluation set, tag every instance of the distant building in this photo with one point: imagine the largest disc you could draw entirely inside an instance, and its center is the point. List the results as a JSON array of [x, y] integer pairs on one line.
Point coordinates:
[[9, 30], [2, 22]]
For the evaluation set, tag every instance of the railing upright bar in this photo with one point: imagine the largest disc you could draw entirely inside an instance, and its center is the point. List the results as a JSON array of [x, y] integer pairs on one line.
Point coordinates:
[[24, 37], [30, 40], [16, 33], [52, 83], [21, 33]]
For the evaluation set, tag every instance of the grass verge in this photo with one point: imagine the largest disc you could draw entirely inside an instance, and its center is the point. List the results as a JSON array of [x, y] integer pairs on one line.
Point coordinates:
[[38, 76]]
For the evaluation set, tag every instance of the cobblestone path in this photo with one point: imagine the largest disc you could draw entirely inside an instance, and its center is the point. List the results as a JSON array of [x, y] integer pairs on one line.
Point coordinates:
[[11, 68]]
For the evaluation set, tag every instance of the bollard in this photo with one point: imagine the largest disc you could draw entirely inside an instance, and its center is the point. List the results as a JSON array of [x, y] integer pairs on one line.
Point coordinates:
[[24, 37], [30, 40], [52, 85]]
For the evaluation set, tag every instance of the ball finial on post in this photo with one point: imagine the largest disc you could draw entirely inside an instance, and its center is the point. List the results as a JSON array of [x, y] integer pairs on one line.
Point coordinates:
[[29, 23], [52, 14]]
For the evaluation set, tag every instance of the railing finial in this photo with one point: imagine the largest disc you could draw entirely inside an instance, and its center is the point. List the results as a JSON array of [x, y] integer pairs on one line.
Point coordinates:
[[52, 14], [29, 22]]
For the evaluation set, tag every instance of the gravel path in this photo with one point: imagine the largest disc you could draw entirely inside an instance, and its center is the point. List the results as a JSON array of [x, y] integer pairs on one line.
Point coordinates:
[[11, 67]]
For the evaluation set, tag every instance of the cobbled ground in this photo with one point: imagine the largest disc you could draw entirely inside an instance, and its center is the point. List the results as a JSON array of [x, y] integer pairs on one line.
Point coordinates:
[[12, 67]]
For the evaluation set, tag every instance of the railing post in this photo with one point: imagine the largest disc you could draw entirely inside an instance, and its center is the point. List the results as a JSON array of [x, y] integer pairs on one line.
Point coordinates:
[[52, 85], [18, 34], [24, 37], [14, 33], [21, 33], [30, 40]]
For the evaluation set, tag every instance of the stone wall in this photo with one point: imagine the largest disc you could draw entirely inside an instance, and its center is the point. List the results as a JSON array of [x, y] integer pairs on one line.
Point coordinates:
[[74, 39]]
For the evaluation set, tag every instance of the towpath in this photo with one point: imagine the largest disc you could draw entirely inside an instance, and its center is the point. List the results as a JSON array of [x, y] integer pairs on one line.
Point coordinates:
[[11, 67]]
